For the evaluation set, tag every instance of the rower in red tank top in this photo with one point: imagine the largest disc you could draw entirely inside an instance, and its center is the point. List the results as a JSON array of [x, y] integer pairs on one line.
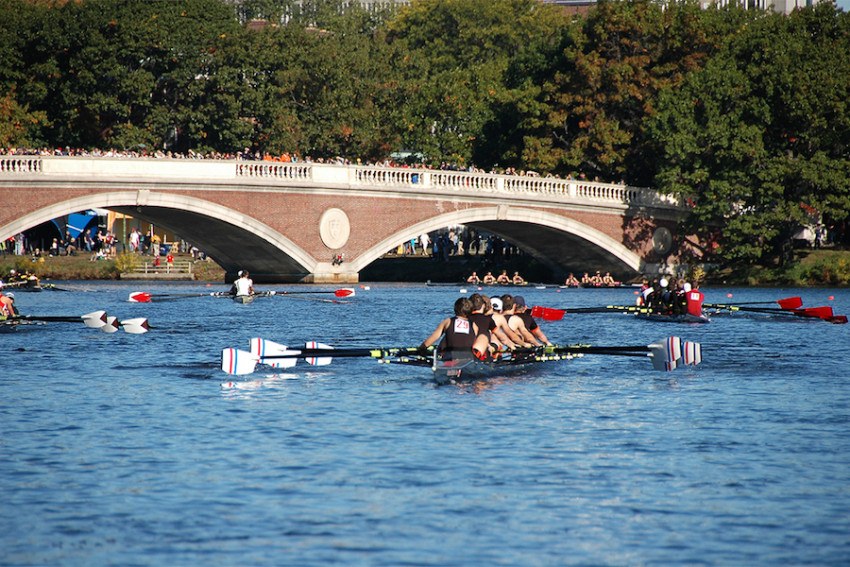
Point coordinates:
[[694, 298]]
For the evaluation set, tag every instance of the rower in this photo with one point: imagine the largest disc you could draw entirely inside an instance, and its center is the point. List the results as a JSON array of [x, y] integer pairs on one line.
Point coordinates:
[[521, 311], [489, 278], [693, 298], [473, 279], [596, 279], [495, 311], [461, 338], [503, 278], [586, 280], [571, 281], [517, 279], [7, 305], [244, 285], [517, 323], [608, 280], [482, 316]]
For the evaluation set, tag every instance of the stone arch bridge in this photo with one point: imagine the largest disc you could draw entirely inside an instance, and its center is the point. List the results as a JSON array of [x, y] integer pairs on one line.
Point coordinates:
[[288, 221]]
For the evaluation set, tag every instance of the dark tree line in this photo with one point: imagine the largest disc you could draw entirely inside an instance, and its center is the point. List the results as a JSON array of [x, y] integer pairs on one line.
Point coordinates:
[[744, 113]]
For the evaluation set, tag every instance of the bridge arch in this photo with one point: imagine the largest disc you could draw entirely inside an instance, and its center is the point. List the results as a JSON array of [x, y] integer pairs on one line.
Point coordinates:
[[194, 220], [554, 231]]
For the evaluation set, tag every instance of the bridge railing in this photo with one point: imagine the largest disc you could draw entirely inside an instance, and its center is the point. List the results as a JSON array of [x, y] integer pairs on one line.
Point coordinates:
[[353, 176]]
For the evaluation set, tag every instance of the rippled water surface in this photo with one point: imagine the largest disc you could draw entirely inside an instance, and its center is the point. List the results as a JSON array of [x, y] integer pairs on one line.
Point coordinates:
[[126, 449]]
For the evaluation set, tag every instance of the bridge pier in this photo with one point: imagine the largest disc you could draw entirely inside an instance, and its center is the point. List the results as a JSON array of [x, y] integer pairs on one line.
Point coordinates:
[[325, 272]]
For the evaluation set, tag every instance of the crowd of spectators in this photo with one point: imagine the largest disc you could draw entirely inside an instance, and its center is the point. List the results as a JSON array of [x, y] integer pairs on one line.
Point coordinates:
[[286, 157]]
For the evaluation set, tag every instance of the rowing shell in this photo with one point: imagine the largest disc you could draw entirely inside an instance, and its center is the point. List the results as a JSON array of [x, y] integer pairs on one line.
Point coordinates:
[[470, 369], [243, 299], [670, 318]]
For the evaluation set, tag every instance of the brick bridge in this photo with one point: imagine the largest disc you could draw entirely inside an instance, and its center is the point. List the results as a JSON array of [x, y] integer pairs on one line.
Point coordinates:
[[287, 221]]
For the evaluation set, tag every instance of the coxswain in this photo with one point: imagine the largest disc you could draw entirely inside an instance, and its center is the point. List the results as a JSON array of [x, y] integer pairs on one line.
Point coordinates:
[[521, 311], [489, 278], [571, 281], [517, 279], [461, 338], [503, 278], [244, 285], [473, 279], [7, 305]]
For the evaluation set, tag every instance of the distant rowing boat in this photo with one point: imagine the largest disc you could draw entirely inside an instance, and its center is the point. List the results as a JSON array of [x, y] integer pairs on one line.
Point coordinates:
[[429, 283], [244, 299]]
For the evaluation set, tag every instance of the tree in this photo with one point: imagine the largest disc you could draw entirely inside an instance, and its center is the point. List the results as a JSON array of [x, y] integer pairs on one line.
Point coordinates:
[[761, 137]]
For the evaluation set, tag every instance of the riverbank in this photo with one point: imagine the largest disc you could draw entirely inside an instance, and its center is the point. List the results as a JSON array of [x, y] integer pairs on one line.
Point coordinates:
[[830, 268], [810, 268], [81, 267]]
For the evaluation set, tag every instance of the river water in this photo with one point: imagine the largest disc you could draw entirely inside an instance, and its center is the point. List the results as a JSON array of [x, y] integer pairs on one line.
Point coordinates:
[[127, 450]]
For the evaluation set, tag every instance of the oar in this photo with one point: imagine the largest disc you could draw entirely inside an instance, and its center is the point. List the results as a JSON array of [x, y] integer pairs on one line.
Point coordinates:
[[824, 312], [787, 304], [342, 292], [96, 320], [552, 314], [147, 297], [665, 355]]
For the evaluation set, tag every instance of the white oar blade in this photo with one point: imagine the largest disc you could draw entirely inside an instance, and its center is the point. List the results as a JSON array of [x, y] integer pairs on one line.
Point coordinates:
[[263, 348], [691, 353], [318, 361], [136, 326], [95, 319], [665, 355], [111, 326], [238, 362]]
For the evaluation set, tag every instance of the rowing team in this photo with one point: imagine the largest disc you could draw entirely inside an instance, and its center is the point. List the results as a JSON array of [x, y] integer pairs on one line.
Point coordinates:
[[677, 299], [502, 279], [486, 328]]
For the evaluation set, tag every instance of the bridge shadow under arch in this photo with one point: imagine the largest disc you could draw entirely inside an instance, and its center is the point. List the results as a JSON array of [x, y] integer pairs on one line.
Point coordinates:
[[221, 233], [564, 245]]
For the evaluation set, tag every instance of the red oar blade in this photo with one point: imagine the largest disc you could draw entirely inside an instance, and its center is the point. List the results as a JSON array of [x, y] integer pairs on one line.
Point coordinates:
[[140, 297], [839, 319], [344, 292], [790, 303], [819, 312], [547, 313]]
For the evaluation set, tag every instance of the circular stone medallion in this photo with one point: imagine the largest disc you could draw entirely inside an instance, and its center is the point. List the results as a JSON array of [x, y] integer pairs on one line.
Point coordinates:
[[662, 240], [334, 228]]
